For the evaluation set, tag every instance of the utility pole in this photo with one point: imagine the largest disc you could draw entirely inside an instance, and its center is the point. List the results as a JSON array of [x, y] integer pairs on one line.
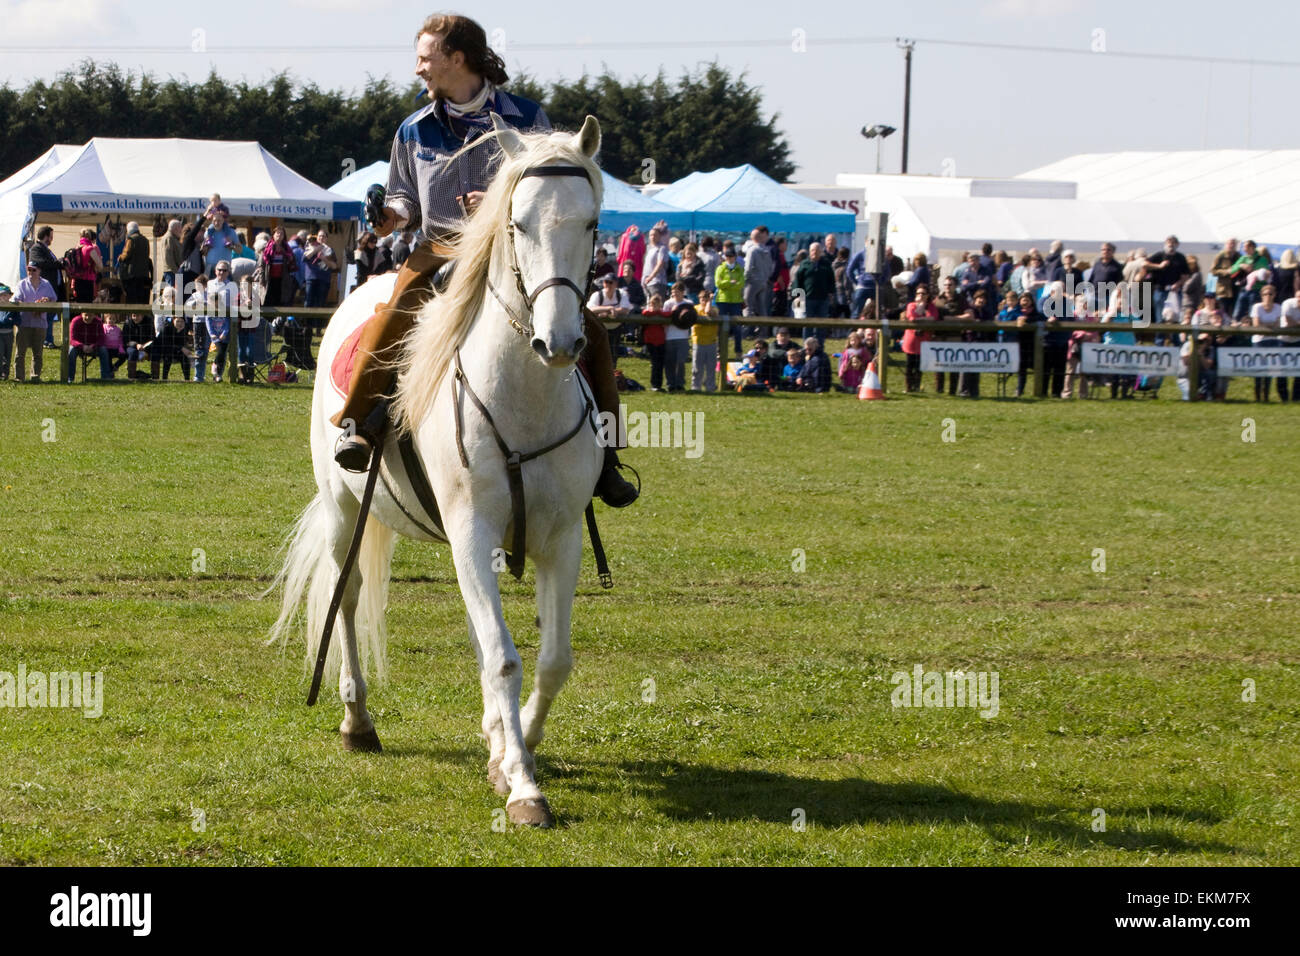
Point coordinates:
[[906, 47]]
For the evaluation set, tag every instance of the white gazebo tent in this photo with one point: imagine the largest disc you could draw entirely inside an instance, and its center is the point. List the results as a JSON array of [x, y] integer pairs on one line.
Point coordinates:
[[143, 178]]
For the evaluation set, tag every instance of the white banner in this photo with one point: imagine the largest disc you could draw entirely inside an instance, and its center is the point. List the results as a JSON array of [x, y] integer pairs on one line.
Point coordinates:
[[970, 356], [1098, 359], [1257, 361]]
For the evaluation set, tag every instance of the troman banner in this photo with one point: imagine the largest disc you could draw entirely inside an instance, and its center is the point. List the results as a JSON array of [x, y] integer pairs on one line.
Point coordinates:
[[1097, 359], [970, 356]]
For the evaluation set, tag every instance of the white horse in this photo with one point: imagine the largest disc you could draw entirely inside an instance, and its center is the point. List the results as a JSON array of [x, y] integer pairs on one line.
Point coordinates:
[[526, 378]]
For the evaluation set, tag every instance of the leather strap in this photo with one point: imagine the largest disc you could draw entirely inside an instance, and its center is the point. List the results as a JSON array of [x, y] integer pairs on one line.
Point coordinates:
[[598, 550], [514, 464], [420, 485], [376, 456]]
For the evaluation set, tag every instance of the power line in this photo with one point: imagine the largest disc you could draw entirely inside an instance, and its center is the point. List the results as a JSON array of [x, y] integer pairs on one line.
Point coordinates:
[[813, 41]]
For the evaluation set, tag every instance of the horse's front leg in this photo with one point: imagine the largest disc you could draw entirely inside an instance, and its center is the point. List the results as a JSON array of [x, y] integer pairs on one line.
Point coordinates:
[[501, 669], [557, 577], [493, 728]]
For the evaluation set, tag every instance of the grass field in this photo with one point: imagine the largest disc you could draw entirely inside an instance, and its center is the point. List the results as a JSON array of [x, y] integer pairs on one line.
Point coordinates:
[[1120, 690]]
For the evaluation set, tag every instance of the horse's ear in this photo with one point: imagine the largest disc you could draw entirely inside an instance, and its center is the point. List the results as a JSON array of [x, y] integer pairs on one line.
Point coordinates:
[[589, 136], [507, 137]]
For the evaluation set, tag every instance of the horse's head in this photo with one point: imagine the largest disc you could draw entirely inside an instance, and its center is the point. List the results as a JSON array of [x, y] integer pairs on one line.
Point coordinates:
[[553, 213]]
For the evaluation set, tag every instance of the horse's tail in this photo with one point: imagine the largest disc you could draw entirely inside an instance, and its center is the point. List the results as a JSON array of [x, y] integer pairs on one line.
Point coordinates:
[[309, 571]]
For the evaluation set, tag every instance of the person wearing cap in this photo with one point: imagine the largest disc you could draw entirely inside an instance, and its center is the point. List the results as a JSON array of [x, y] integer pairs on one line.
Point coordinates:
[[425, 189], [610, 304], [32, 325], [8, 322]]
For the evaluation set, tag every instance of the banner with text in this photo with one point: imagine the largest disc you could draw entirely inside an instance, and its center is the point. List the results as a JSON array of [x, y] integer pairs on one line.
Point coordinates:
[[1257, 362], [970, 356], [1098, 359]]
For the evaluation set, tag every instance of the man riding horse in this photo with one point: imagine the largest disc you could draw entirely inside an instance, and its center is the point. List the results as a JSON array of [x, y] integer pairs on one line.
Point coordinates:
[[428, 189]]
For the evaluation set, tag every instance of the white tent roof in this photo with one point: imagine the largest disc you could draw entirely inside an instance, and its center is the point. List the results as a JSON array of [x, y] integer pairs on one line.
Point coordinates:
[[140, 178], [1246, 193], [932, 223]]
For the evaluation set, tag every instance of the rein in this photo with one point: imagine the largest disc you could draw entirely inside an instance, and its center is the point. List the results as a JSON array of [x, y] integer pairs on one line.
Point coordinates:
[[521, 324]]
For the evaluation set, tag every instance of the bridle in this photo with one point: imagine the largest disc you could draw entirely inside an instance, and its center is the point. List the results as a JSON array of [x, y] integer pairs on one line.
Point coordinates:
[[522, 324]]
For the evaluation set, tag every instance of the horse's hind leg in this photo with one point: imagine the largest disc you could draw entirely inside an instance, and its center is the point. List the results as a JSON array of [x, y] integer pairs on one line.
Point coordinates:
[[557, 577], [493, 729], [357, 728]]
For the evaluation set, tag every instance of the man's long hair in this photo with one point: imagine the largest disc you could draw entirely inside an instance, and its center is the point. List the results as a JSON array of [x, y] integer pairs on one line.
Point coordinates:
[[458, 34]]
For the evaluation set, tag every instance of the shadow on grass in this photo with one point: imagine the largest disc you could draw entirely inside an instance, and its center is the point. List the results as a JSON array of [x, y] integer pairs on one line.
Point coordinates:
[[694, 792], [703, 793]]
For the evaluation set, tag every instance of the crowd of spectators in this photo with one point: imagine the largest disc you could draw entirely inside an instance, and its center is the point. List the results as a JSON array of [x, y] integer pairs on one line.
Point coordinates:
[[1236, 301], [211, 280], [1242, 297]]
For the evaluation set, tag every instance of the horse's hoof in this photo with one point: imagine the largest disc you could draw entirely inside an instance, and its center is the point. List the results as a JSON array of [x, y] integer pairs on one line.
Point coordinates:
[[498, 780], [531, 813], [366, 742]]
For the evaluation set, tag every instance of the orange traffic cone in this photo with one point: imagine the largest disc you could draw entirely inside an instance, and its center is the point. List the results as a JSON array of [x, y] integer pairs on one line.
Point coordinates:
[[869, 390]]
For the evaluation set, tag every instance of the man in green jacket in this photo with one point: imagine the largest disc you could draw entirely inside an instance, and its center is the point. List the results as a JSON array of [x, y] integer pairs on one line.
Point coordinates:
[[816, 277], [1251, 261]]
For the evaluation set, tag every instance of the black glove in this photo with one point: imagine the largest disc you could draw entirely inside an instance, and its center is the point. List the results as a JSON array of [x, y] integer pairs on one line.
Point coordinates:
[[375, 205]]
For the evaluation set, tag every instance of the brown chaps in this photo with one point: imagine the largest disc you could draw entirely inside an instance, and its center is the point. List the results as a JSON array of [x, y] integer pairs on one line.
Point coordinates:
[[372, 373]]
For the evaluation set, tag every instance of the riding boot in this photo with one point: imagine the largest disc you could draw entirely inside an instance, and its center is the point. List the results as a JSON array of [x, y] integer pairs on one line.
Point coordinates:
[[598, 364], [378, 351]]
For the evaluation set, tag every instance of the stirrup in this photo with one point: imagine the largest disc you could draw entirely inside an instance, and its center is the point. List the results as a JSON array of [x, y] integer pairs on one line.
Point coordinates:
[[617, 496], [352, 453]]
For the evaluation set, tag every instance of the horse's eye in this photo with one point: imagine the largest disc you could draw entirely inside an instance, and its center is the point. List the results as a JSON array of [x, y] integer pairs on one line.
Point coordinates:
[[591, 226], [520, 229]]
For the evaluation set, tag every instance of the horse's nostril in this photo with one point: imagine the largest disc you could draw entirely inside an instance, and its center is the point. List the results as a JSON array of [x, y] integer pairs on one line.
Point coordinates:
[[579, 345], [540, 348]]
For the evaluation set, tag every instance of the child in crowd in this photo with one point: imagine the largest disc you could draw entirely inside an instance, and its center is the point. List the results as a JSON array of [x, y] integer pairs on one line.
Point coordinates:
[[172, 346], [1117, 312], [793, 368], [704, 346], [853, 363], [747, 373], [1074, 356], [112, 337], [677, 339], [86, 335], [654, 341]]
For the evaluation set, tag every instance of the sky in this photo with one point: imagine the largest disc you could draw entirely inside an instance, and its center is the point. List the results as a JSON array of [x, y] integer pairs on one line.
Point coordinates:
[[1146, 76]]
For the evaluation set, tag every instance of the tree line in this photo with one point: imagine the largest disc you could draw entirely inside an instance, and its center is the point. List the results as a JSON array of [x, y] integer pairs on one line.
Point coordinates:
[[704, 119]]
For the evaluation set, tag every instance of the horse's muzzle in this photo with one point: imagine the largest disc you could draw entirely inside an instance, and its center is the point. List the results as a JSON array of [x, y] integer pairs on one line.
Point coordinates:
[[559, 358]]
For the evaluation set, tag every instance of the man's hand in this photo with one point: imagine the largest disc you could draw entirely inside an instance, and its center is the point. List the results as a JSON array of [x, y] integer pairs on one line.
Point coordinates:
[[472, 199], [387, 224]]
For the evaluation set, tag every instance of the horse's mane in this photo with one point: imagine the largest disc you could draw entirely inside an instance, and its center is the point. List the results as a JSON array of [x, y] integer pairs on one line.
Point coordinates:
[[446, 319]]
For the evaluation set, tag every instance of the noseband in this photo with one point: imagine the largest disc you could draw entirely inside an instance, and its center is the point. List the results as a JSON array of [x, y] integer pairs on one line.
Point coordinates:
[[522, 324]]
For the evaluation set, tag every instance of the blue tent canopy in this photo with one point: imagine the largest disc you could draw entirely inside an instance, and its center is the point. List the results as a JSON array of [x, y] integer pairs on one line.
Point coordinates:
[[354, 185], [739, 198], [623, 205]]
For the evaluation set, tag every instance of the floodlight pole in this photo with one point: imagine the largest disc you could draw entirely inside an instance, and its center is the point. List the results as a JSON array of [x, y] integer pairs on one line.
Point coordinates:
[[906, 46]]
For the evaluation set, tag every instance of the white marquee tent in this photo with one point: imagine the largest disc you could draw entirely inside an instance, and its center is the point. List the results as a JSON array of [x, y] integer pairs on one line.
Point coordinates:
[[1242, 193], [939, 224], [142, 178]]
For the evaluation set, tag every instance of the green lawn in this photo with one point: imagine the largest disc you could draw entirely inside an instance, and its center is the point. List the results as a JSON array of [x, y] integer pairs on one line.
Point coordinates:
[[769, 589]]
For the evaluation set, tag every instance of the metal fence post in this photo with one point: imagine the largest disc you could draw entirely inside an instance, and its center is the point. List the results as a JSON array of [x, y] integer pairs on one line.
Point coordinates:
[[1040, 376], [1193, 368], [882, 350], [67, 343], [724, 336]]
